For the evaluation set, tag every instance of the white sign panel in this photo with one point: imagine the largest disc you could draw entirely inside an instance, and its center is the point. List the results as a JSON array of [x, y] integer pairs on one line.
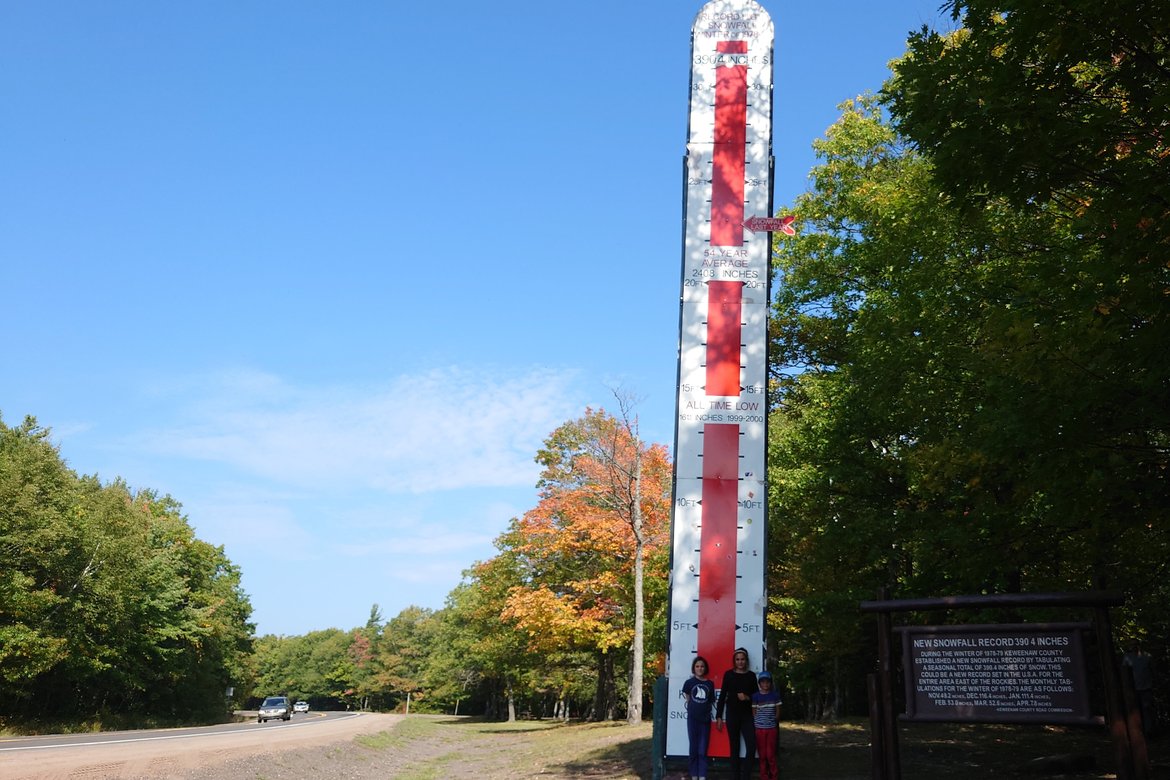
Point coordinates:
[[717, 577]]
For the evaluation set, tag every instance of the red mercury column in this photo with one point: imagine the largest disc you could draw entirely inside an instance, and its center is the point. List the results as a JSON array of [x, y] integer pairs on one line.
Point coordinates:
[[730, 147], [718, 560]]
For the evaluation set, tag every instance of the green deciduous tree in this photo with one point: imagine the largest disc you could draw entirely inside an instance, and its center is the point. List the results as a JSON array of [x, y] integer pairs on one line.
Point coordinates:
[[949, 415], [493, 648], [407, 642], [317, 665], [110, 604], [1062, 110]]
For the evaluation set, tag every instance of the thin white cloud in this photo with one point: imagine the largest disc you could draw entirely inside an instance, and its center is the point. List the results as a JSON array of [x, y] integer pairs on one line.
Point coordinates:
[[462, 524], [258, 525], [427, 546], [447, 571], [440, 430], [381, 492]]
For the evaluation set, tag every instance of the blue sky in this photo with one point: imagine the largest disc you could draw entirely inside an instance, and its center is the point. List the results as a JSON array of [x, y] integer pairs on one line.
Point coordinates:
[[328, 273]]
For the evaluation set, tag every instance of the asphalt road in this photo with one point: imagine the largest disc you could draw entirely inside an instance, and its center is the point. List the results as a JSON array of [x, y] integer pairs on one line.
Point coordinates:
[[158, 753], [49, 741]]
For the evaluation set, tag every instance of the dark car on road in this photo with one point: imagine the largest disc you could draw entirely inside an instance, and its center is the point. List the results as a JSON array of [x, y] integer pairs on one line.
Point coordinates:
[[275, 707]]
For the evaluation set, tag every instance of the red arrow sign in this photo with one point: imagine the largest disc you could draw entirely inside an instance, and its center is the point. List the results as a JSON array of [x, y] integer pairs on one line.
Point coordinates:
[[771, 225]]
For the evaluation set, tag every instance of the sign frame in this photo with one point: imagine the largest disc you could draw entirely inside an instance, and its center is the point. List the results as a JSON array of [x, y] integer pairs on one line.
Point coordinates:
[[997, 673]]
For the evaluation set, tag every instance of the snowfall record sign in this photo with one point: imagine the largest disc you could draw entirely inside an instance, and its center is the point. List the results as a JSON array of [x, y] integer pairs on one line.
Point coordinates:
[[717, 572]]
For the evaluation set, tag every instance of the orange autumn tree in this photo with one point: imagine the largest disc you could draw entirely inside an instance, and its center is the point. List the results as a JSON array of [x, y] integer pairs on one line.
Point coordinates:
[[603, 513]]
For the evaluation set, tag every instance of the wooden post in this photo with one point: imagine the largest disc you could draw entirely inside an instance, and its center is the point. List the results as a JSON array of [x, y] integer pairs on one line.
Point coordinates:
[[886, 688], [877, 754], [1114, 706], [1132, 713]]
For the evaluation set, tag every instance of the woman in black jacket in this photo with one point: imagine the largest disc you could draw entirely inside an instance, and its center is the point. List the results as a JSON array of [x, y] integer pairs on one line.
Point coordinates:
[[735, 700]]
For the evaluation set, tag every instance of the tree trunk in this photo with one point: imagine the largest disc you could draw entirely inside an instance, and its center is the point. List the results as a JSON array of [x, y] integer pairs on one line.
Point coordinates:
[[637, 662], [603, 699]]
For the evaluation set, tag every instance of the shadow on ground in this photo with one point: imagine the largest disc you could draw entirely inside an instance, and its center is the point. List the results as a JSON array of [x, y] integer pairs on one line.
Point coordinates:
[[955, 751]]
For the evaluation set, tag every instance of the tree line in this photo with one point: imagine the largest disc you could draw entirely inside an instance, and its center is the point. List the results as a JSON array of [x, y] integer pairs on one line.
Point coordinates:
[[111, 610], [969, 393], [110, 607], [971, 380]]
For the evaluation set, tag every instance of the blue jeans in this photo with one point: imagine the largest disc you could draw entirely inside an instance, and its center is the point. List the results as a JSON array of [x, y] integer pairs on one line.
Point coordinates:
[[699, 736]]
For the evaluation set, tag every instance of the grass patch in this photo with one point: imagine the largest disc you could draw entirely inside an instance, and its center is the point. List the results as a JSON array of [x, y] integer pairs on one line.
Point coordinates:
[[465, 748], [383, 740], [98, 723], [473, 748]]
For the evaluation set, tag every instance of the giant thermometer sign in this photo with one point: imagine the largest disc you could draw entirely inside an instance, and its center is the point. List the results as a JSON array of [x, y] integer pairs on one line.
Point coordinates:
[[717, 574]]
